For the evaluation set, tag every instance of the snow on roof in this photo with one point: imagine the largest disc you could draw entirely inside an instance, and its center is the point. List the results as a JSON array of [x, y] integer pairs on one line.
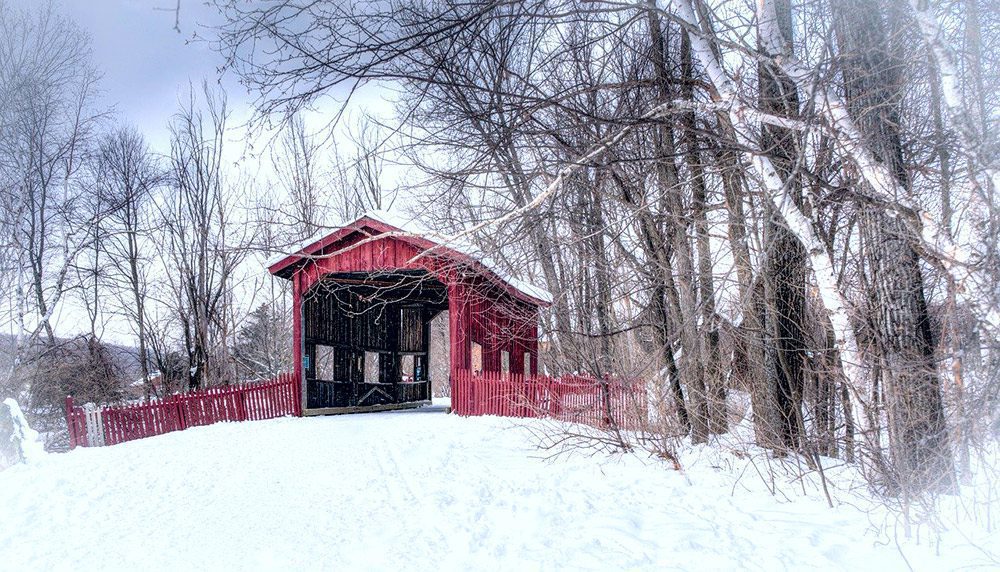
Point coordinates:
[[411, 226]]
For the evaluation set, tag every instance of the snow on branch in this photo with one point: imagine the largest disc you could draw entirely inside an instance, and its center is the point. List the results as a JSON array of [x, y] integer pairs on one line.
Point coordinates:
[[744, 120], [971, 138]]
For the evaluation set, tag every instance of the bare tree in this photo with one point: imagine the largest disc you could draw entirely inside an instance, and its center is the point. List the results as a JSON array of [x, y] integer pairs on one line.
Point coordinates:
[[47, 118], [784, 264], [360, 172], [606, 145], [201, 250], [297, 161], [918, 439], [126, 174]]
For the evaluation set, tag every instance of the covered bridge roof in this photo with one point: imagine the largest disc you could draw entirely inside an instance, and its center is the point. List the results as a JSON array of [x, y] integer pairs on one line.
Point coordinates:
[[381, 222]]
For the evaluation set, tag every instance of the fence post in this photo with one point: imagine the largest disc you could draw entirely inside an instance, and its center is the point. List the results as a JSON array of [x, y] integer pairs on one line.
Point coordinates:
[[181, 422], [287, 395], [108, 426], [241, 404]]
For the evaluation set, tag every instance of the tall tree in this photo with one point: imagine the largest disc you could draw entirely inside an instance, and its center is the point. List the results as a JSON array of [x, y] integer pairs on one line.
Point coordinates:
[[784, 260], [202, 251], [870, 38], [297, 161], [48, 113], [715, 378], [126, 174], [692, 365]]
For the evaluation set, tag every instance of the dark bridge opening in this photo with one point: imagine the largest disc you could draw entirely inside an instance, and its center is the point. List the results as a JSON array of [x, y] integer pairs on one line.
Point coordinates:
[[367, 339]]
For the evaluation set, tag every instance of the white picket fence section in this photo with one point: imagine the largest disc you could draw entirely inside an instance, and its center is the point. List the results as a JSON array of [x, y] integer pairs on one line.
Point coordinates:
[[95, 425]]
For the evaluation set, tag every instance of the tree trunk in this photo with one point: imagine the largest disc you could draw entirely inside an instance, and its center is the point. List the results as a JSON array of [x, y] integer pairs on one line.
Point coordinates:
[[691, 365], [919, 452], [656, 249], [715, 380], [784, 260], [751, 327]]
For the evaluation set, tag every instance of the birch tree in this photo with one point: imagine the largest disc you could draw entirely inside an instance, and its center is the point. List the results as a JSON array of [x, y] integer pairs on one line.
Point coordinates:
[[604, 147]]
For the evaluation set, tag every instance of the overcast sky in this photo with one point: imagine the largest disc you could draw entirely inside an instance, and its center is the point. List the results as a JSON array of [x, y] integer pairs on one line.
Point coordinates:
[[147, 67], [145, 63]]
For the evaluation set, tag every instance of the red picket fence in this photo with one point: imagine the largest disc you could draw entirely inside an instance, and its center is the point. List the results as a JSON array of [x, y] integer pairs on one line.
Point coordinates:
[[571, 398], [114, 424]]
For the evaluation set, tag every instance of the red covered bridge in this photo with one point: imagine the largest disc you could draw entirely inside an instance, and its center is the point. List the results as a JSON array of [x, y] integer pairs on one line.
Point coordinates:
[[364, 296], [363, 299]]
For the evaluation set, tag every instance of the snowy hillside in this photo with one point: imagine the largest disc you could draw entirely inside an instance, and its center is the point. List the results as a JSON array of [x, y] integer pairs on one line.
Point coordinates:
[[422, 490]]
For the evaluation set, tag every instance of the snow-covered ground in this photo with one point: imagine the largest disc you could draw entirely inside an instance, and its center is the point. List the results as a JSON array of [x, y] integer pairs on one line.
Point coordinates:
[[422, 490]]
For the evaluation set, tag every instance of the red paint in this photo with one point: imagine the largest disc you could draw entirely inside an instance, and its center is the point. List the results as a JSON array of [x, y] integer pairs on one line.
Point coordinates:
[[76, 422], [244, 402], [385, 254], [570, 398]]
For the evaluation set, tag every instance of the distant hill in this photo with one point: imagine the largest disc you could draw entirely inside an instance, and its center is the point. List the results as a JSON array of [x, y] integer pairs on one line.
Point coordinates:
[[127, 357]]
